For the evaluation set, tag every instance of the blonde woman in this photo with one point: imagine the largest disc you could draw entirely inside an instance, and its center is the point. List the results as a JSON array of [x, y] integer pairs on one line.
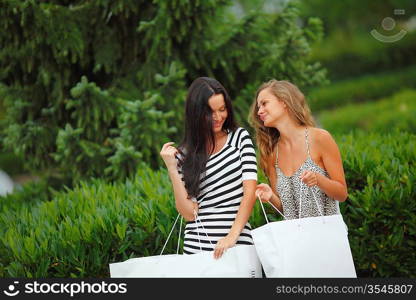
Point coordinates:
[[299, 159]]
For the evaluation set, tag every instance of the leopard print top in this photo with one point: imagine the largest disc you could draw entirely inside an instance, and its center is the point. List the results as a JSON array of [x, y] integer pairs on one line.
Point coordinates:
[[291, 189]]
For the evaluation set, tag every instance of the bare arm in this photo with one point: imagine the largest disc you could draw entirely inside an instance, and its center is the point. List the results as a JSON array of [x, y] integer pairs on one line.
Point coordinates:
[[184, 205], [335, 186], [243, 214], [246, 206], [268, 193]]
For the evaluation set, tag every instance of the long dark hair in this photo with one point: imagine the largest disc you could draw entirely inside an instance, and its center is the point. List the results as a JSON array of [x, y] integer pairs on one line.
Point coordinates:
[[198, 130]]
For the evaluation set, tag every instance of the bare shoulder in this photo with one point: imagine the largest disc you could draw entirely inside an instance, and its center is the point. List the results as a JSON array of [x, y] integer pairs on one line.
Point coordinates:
[[320, 136], [322, 140]]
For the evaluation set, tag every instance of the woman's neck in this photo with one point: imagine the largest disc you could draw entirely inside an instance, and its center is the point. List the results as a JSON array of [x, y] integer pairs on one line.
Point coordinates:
[[290, 132], [219, 135]]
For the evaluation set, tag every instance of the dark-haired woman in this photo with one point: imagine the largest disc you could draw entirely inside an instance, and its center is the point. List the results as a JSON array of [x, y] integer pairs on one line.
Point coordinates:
[[213, 172]]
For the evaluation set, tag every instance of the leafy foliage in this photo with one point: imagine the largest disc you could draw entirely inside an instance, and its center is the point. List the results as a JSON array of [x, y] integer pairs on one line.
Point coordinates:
[[380, 212], [352, 15], [385, 115], [361, 89], [351, 55], [91, 88], [80, 231]]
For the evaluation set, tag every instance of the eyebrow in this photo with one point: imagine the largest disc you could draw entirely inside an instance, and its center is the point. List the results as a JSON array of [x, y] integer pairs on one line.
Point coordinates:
[[221, 107], [265, 99]]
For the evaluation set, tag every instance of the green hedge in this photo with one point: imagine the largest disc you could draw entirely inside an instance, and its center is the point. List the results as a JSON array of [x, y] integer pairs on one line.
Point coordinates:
[[361, 89], [80, 231], [381, 209], [11, 163], [385, 115], [2, 110], [347, 55], [30, 194], [100, 85]]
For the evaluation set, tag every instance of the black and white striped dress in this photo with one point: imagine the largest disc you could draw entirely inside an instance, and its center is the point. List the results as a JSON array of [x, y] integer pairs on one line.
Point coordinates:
[[221, 193]]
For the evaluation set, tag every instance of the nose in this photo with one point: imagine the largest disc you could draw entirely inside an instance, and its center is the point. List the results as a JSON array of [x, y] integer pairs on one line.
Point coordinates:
[[216, 116], [260, 111]]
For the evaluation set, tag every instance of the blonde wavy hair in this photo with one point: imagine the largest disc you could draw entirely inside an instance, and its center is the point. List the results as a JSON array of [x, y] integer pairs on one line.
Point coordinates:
[[267, 137]]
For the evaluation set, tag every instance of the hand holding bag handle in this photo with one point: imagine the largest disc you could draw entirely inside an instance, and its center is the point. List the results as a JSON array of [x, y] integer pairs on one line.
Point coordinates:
[[314, 197], [300, 206], [264, 212]]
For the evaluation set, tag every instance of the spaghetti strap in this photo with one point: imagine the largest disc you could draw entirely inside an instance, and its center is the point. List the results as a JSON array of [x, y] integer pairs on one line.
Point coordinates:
[[307, 141], [277, 154]]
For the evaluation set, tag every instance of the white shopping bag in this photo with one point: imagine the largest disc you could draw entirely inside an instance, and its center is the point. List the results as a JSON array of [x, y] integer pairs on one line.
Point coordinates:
[[305, 247], [238, 261]]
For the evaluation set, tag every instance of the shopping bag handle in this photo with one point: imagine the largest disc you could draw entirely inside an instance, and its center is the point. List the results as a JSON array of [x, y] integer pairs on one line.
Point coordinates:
[[180, 228], [200, 222], [170, 233], [313, 195], [264, 212], [300, 206]]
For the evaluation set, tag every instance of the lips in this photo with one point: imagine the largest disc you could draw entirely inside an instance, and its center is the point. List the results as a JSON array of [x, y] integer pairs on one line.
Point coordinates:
[[262, 117]]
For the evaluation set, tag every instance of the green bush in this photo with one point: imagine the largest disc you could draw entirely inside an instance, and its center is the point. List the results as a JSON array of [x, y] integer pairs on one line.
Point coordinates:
[[381, 209], [2, 110], [348, 55], [28, 195], [397, 112], [365, 88], [352, 15], [11, 163], [80, 231], [100, 85]]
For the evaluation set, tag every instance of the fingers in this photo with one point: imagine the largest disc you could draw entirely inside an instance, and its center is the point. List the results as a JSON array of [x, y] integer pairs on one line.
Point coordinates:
[[168, 149], [263, 185], [259, 191], [259, 195], [263, 191], [219, 251], [305, 177], [220, 248], [309, 178], [167, 145]]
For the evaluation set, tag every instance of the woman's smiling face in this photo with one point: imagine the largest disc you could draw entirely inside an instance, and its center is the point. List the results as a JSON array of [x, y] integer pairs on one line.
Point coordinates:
[[270, 108], [219, 112]]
